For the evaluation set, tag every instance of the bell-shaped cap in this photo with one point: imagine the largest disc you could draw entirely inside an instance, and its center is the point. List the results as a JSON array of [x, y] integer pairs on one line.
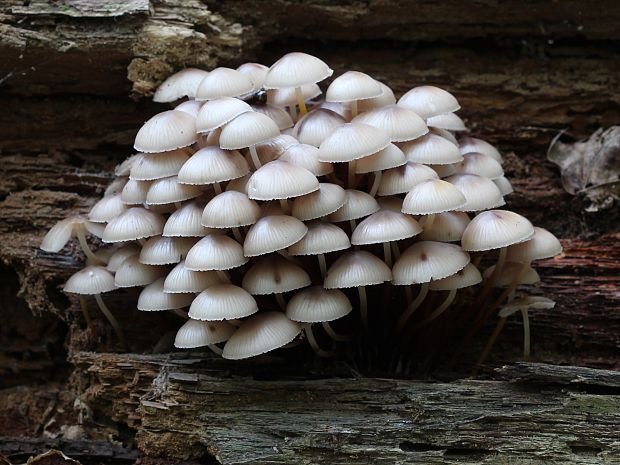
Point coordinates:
[[316, 125], [248, 129], [256, 72], [321, 238], [317, 304], [191, 107], [154, 299], [495, 229], [447, 121], [160, 250], [427, 260], [468, 276], [296, 69], [443, 171], [180, 280], [135, 192], [472, 144], [326, 200], [116, 186], [403, 178], [432, 149], [149, 167], [222, 302], [400, 123], [185, 222], [259, 334], [281, 180], [224, 82], [352, 141], [481, 193], [445, 134], [527, 302], [273, 148], [306, 156], [433, 196], [429, 101], [195, 334], [390, 202], [278, 114], [170, 190], [385, 159], [124, 168], [274, 275], [133, 224], [272, 233], [385, 226], [90, 281], [510, 271], [542, 245], [230, 209], [166, 131], [504, 186], [106, 209], [212, 164], [481, 165], [446, 227], [218, 112], [358, 204], [287, 96], [119, 255], [132, 273], [215, 252], [352, 85], [386, 98], [356, 268], [181, 84]]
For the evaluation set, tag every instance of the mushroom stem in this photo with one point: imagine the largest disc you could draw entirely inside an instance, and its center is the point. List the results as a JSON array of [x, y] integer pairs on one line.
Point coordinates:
[[526, 334], [113, 322], [223, 276], [408, 294], [387, 254], [300, 101], [217, 188], [353, 109], [84, 308], [85, 248], [510, 289], [322, 265], [395, 250], [486, 288], [428, 220], [280, 300], [361, 290], [237, 235], [293, 112], [351, 175], [334, 179], [180, 313], [487, 349], [286, 255], [411, 308], [439, 310], [315, 345], [334, 335], [375, 183], [353, 225], [235, 323], [215, 349], [255, 159], [285, 207]]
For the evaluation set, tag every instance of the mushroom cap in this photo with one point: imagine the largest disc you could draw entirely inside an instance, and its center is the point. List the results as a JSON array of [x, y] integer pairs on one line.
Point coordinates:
[[222, 302], [212, 164], [326, 200], [287, 96], [191, 107], [148, 167], [166, 131], [480, 164], [481, 193], [428, 260], [357, 205], [353, 85], [116, 186], [281, 180], [202, 333], [124, 168], [273, 148], [385, 226], [274, 275], [134, 192], [432, 196], [356, 268], [133, 224], [432, 149], [317, 304], [385, 159], [224, 82], [443, 171], [526, 303], [160, 250], [445, 134], [400, 123], [118, 257], [306, 156], [403, 178], [230, 209], [90, 281], [386, 98], [259, 334], [495, 229], [218, 112], [296, 69], [181, 84], [352, 141], [185, 222], [256, 72], [215, 252], [390, 202], [321, 238], [509, 271], [542, 245], [447, 121], [428, 101], [106, 209], [472, 144], [446, 227], [278, 114], [239, 184], [154, 299], [314, 127], [170, 190], [248, 129], [180, 280], [132, 273], [468, 276], [504, 186], [272, 233]]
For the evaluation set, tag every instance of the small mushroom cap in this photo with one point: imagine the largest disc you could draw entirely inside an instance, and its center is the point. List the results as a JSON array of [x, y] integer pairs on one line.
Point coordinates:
[[447, 121], [160, 250], [353, 85], [166, 131], [352, 141], [212, 164], [216, 113], [274, 275], [495, 229], [317, 304], [481, 193], [542, 245], [356, 268], [170, 190], [468, 276], [471, 144], [526, 303], [358, 204], [215, 252], [181, 280], [224, 82], [230, 209], [248, 129], [158, 165], [296, 69], [400, 124], [509, 271], [443, 171], [273, 148], [279, 115], [446, 227], [134, 192], [389, 157], [321, 238], [326, 200], [154, 299], [403, 178], [480, 164], [124, 168], [239, 184], [314, 127], [271, 233], [90, 281], [306, 156], [386, 98], [133, 224], [181, 84], [503, 185], [445, 134], [222, 302], [106, 209], [259, 334], [256, 72], [429, 101], [287, 96], [191, 107], [433, 196], [185, 222], [202, 333], [427, 260], [281, 180], [391, 203], [59, 234], [118, 257], [133, 273], [385, 226], [432, 149], [116, 186]]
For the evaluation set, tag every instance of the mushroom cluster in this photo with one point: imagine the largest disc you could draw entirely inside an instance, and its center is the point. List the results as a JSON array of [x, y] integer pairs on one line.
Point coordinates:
[[256, 210]]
